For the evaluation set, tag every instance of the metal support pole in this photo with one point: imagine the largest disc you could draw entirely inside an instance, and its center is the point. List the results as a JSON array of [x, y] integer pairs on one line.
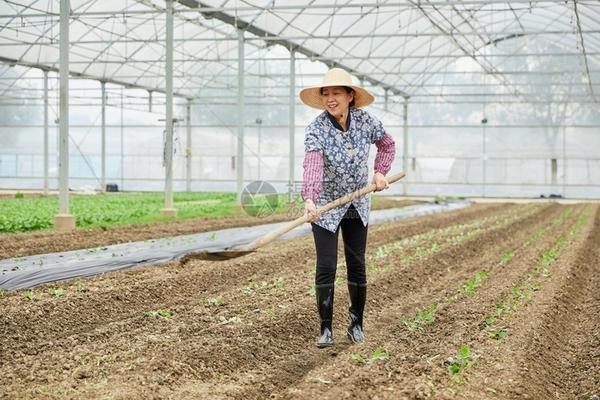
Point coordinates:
[[484, 159], [188, 150], [239, 164], [292, 124], [564, 161], [405, 145], [386, 104], [169, 210], [150, 100], [103, 145], [64, 221], [46, 132], [122, 142], [258, 152]]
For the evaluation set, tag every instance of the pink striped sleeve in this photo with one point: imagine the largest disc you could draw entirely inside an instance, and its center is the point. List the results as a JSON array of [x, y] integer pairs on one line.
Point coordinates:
[[386, 151], [313, 175]]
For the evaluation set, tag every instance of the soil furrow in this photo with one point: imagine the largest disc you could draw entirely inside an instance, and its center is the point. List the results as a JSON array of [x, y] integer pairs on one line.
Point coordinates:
[[412, 351], [137, 320], [552, 351], [125, 294], [310, 323], [268, 385], [118, 352]]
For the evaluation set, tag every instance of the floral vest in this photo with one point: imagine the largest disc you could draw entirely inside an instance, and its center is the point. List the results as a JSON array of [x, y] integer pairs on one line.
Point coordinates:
[[345, 159]]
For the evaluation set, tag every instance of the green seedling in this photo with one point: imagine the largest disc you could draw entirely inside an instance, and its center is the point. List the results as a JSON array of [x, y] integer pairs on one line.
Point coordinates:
[[545, 272], [229, 321], [81, 288], [563, 216], [216, 301], [430, 384], [499, 334], [58, 292], [387, 267], [533, 273], [382, 252], [339, 280], [359, 358], [506, 257], [2, 292], [537, 234], [422, 317], [28, 294], [253, 287], [463, 360], [163, 313], [548, 257], [372, 267], [525, 291], [489, 321], [269, 312], [470, 287], [517, 293], [378, 354], [212, 237], [405, 260], [561, 243], [19, 195], [532, 287]]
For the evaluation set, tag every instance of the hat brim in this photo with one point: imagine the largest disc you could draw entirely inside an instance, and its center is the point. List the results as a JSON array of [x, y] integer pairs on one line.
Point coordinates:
[[311, 96]]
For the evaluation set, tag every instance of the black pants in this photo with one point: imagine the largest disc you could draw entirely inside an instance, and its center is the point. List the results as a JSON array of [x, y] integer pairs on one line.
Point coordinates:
[[354, 234]]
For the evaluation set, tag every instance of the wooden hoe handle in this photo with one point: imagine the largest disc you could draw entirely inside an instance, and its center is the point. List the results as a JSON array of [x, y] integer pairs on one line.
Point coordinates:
[[268, 238]]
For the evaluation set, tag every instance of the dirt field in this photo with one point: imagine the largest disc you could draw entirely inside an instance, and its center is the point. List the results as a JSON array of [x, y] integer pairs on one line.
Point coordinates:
[[496, 301]]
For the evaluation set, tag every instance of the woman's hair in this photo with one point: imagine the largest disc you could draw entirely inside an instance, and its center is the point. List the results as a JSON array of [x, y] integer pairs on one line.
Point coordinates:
[[348, 89]]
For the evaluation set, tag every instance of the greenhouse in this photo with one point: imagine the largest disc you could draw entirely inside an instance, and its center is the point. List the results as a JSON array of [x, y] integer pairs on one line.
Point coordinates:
[[171, 197]]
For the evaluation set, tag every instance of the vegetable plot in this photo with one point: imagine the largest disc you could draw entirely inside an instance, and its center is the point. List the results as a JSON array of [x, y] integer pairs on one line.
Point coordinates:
[[493, 301]]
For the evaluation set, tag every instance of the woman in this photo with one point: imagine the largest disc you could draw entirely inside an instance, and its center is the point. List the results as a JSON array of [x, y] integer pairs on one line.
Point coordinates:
[[336, 153]]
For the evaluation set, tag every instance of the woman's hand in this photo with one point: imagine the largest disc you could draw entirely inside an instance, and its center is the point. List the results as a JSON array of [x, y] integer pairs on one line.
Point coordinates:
[[310, 209], [380, 182]]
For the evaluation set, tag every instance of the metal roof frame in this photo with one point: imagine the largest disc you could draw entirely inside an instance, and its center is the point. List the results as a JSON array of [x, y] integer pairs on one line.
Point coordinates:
[[455, 30]]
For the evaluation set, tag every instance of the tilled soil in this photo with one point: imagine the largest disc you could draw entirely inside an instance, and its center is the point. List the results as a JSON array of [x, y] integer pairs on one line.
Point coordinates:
[[47, 241], [245, 328]]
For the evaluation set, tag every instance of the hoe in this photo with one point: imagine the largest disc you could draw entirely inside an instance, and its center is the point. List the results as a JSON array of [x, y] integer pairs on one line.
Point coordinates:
[[234, 252]]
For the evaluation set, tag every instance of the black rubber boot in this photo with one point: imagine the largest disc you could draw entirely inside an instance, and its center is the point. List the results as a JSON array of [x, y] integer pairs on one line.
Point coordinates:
[[325, 307], [358, 297]]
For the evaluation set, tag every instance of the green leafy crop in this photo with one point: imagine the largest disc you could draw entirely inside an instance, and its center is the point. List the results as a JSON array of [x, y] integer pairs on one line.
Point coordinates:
[[422, 318], [461, 361], [28, 294], [470, 287], [216, 301], [378, 354], [164, 313]]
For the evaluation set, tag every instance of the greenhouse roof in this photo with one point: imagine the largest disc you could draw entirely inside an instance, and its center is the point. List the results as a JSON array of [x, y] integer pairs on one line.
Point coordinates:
[[406, 47]]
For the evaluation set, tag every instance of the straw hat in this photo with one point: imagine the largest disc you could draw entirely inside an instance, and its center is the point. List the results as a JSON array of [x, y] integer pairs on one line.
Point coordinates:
[[311, 96]]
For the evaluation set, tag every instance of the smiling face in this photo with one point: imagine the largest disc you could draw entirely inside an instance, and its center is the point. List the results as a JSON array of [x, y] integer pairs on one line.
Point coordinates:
[[336, 100]]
